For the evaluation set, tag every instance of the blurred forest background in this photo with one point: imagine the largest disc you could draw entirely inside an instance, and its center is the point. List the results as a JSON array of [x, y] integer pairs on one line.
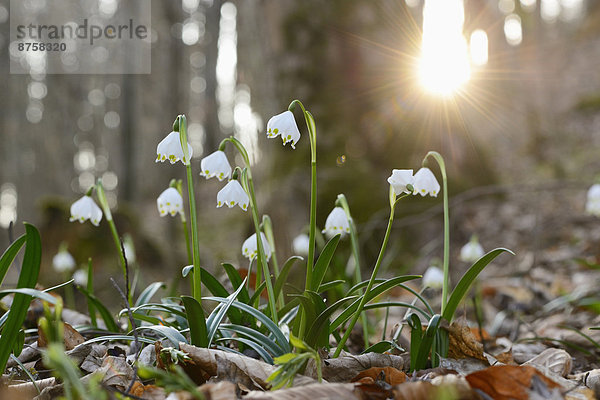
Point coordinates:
[[527, 118]]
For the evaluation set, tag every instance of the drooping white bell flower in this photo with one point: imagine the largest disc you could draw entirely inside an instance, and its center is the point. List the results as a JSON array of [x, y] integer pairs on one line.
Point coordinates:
[[250, 247], [170, 149], [215, 165], [336, 222], [233, 193], [169, 202], [400, 178], [81, 277], [284, 124], [471, 251], [433, 278], [592, 205], [63, 261], [86, 208], [426, 183], [129, 249], [300, 244]]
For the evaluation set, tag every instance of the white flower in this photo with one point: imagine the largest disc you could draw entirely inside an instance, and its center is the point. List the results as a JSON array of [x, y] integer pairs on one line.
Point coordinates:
[[129, 251], [85, 208], [81, 277], [170, 149], [400, 178], [301, 244], [592, 206], [169, 202], [233, 193], [63, 261], [215, 164], [433, 278], [284, 124], [471, 251], [425, 183], [250, 247], [336, 222]]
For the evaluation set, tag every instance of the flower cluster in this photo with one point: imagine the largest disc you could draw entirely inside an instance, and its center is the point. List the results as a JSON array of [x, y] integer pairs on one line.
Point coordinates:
[[423, 182]]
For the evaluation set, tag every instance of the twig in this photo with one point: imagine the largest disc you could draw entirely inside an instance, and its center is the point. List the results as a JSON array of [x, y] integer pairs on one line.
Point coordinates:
[[135, 332]]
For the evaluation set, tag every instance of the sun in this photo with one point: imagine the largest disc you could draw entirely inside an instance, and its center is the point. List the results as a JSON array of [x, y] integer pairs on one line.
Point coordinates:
[[444, 62]]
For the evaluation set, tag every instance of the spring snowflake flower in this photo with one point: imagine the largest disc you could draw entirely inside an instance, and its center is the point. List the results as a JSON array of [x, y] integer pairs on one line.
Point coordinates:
[[433, 278], [169, 202], [81, 277], [426, 183], [63, 261], [592, 205], [336, 222], [215, 165], [284, 124], [85, 208], [401, 178], [471, 251], [233, 193], [300, 244], [170, 149], [250, 247]]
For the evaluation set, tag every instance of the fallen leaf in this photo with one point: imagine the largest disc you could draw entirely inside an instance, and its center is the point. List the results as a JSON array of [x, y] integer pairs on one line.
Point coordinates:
[[390, 375], [310, 392], [229, 371], [219, 391], [557, 361], [507, 382], [259, 371], [116, 372], [147, 392], [463, 366], [25, 390], [71, 338], [343, 369], [463, 344]]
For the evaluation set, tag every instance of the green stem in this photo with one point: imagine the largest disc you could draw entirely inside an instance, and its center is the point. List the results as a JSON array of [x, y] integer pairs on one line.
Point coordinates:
[[363, 300], [90, 289], [440, 161], [268, 228]]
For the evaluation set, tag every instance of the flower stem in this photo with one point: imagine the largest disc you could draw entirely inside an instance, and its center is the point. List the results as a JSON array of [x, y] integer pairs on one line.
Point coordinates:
[[440, 160], [268, 229], [90, 289], [363, 300]]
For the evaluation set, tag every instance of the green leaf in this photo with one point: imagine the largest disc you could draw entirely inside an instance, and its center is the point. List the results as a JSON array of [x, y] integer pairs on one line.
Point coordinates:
[[30, 292], [330, 285], [252, 344], [376, 291], [170, 333], [236, 281], [282, 278], [216, 317], [397, 304], [173, 309], [323, 262], [19, 342], [256, 336], [416, 336], [9, 255], [382, 347], [107, 317], [262, 318], [150, 291], [467, 280], [185, 271], [427, 341], [258, 291], [27, 279], [212, 284], [130, 338], [196, 321]]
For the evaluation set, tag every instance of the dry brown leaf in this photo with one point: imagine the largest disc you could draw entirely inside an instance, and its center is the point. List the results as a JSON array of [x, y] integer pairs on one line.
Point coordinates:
[[507, 382], [71, 338], [219, 391], [463, 344], [591, 379], [229, 371], [258, 371], [557, 361], [116, 372], [25, 390], [343, 369], [147, 392], [416, 391], [310, 392], [388, 375], [581, 393]]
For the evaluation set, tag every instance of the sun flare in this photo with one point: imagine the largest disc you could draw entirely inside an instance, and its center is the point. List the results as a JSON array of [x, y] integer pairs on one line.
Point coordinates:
[[444, 63]]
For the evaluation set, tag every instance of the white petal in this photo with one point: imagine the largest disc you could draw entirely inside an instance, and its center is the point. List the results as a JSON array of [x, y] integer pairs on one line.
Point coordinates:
[[249, 248], [284, 124], [81, 277], [170, 149], [400, 178], [336, 222], [594, 192], [301, 244], [233, 193], [471, 251], [433, 278], [215, 165], [169, 202], [84, 209], [592, 207], [63, 261], [426, 183]]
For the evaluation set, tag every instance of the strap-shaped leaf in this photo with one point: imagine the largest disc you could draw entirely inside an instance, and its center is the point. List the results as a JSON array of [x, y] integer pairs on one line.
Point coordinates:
[[282, 278], [236, 280], [253, 345], [166, 331], [216, 317], [148, 292], [323, 262], [254, 335], [27, 279], [467, 280], [107, 317], [9, 255], [427, 341], [416, 336], [196, 321], [30, 292]]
